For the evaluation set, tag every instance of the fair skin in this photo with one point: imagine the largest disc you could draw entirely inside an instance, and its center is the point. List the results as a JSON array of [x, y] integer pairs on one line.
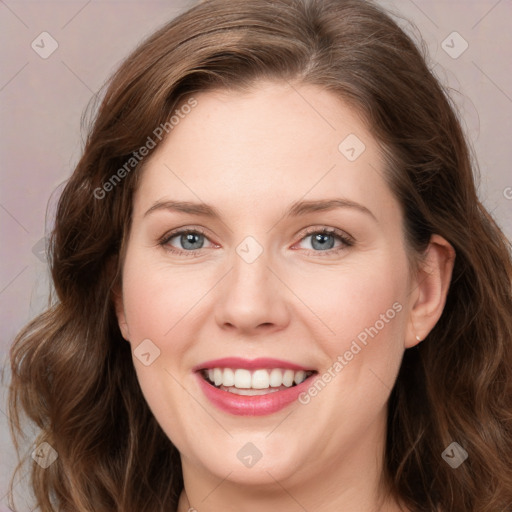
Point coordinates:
[[251, 155]]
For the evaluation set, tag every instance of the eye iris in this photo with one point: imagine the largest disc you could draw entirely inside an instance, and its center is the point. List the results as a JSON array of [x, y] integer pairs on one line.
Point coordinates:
[[319, 238], [190, 238], [323, 245]]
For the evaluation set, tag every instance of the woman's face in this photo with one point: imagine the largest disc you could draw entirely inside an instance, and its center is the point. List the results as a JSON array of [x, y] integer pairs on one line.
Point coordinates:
[[260, 281]]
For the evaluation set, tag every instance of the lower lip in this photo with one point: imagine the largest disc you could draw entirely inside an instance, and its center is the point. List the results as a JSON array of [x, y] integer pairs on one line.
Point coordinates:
[[257, 405]]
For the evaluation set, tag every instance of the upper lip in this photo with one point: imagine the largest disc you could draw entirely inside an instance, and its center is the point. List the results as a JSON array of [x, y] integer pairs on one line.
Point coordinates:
[[249, 364]]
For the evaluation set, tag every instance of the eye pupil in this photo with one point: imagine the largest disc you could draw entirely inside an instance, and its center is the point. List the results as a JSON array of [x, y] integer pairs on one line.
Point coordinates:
[[190, 238], [191, 241], [321, 239]]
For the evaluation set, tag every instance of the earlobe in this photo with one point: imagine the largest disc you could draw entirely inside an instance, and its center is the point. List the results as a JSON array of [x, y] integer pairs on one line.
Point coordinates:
[[431, 289], [120, 314]]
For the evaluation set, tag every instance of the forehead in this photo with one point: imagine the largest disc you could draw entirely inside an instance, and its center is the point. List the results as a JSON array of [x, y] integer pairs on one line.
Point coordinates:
[[274, 144]]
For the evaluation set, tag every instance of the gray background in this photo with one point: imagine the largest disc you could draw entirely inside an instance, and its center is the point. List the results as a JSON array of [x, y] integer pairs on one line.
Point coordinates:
[[41, 101]]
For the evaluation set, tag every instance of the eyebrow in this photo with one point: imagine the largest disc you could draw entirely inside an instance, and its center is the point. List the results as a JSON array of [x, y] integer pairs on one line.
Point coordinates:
[[297, 209]]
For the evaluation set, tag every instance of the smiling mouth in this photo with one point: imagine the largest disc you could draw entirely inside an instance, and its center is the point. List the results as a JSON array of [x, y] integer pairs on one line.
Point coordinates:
[[242, 381]]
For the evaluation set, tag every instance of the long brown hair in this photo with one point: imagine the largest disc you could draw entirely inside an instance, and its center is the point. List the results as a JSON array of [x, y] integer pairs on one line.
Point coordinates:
[[72, 373]]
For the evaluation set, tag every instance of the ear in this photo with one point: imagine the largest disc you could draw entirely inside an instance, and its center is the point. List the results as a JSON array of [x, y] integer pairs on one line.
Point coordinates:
[[117, 297], [430, 288]]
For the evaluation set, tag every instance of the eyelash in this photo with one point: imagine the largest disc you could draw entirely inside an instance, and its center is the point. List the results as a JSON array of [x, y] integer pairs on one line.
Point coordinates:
[[344, 238]]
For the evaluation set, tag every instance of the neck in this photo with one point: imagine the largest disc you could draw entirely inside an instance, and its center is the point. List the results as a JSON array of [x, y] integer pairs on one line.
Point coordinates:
[[287, 502]]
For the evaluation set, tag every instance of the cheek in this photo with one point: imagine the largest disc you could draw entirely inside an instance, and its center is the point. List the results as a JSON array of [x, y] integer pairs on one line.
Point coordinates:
[[357, 302], [157, 298], [366, 310], [157, 303]]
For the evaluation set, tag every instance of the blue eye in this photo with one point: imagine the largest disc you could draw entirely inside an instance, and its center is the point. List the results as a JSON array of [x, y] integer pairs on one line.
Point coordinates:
[[324, 240], [192, 240], [189, 239]]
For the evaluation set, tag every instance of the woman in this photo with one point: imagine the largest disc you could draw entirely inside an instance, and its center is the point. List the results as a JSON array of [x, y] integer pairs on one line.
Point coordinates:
[[340, 336]]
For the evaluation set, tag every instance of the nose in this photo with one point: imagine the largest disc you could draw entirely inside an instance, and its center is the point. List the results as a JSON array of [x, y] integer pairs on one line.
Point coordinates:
[[252, 298]]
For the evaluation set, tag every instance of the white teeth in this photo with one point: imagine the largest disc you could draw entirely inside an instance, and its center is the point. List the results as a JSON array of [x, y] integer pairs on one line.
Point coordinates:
[[261, 379], [228, 377], [300, 376], [276, 378], [288, 376], [242, 379], [250, 392], [217, 376]]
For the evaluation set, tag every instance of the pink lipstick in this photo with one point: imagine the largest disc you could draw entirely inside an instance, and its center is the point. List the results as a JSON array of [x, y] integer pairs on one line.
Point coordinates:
[[252, 387]]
